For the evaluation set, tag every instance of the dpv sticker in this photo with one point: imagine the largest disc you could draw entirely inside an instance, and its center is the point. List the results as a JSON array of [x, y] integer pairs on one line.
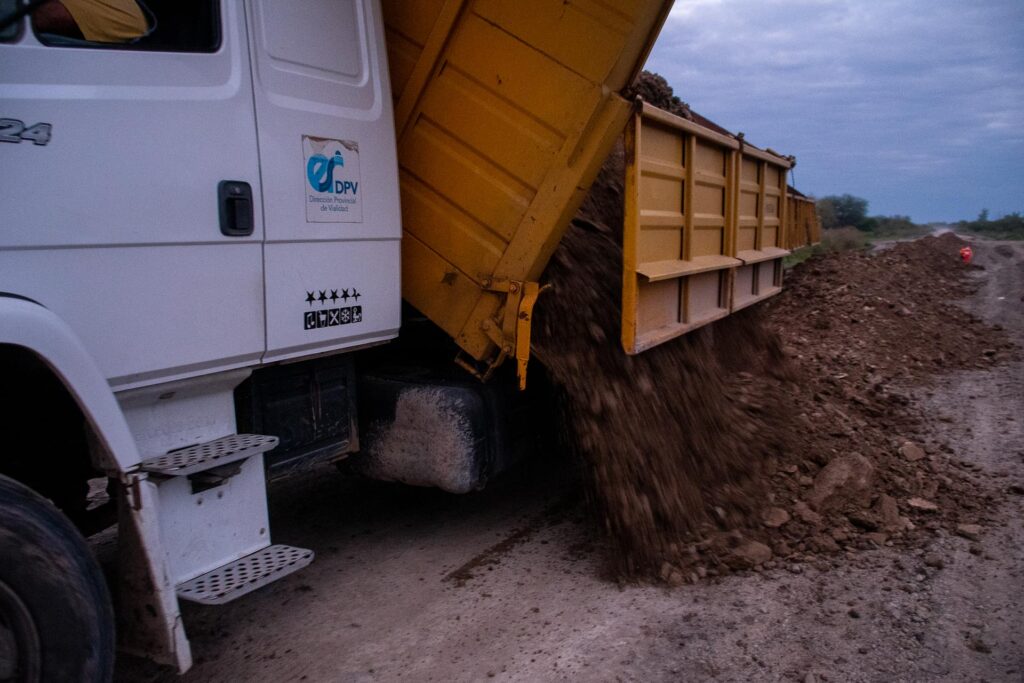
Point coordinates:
[[333, 188]]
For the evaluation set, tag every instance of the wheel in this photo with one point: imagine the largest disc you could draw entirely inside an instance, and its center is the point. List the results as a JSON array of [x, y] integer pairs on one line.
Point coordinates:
[[56, 619]]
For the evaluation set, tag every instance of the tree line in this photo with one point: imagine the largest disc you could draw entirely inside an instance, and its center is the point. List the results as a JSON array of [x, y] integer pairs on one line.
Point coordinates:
[[846, 210]]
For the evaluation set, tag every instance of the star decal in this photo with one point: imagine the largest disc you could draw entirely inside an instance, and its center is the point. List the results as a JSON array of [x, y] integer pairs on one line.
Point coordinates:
[[332, 295]]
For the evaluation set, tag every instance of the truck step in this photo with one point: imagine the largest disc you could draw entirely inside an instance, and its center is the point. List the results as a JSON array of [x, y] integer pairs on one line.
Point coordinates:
[[245, 575], [204, 456]]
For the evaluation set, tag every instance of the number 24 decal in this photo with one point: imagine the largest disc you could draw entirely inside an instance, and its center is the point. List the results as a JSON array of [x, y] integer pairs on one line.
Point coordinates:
[[13, 130]]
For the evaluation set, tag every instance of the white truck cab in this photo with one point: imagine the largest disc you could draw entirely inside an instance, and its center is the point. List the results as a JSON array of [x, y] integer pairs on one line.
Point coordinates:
[[218, 196], [229, 201]]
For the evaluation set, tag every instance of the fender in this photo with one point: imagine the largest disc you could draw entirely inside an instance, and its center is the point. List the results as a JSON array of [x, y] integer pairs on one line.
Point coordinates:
[[143, 577], [30, 325]]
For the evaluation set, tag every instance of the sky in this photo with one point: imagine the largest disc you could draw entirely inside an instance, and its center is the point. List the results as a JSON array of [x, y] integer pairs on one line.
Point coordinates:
[[915, 105]]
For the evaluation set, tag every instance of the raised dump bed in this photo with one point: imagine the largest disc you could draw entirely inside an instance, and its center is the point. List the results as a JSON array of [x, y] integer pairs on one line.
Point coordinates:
[[703, 226], [504, 112]]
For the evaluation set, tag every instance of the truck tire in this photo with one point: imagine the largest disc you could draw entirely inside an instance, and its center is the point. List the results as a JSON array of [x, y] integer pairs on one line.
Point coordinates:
[[56, 618]]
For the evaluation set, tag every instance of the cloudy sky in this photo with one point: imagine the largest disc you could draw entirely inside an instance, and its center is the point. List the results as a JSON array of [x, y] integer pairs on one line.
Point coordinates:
[[915, 105]]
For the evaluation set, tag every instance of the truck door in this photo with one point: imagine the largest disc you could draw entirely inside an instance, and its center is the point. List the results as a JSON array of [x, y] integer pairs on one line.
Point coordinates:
[[329, 172], [116, 213]]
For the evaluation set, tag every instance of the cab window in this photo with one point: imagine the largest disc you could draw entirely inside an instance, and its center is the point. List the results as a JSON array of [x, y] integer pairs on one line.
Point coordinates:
[[145, 25]]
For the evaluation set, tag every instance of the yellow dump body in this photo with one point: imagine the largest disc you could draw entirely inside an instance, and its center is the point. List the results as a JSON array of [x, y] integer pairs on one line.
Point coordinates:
[[505, 111], [703, 234], [803, 228]]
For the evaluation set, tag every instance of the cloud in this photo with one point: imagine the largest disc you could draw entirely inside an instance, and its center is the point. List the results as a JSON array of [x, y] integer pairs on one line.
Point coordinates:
[[868, 94]]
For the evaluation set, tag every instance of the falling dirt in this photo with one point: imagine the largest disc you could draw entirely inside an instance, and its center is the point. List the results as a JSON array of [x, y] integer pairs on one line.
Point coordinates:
[[767, 435], [675, 439]]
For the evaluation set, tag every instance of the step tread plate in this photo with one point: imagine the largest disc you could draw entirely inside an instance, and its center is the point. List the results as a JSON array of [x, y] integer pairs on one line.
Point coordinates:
[[204, 456], [244, 575]]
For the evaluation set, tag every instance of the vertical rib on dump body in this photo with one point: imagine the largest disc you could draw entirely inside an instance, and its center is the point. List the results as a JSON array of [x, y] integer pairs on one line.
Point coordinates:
[[504, 113], [703, 226]]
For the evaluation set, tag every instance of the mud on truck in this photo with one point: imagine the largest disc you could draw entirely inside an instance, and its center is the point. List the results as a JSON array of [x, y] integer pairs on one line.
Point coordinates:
[[213, 231]]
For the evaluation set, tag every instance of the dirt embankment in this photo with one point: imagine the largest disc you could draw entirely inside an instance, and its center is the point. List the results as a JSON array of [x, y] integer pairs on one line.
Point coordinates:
[[775, 433]]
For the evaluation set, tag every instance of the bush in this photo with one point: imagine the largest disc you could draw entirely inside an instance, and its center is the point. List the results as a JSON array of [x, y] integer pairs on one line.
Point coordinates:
[[840, 211], [1010, 227], [895, 227], [841, 239]]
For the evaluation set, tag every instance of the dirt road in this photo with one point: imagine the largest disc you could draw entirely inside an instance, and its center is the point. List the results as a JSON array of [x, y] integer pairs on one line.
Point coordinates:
[[417, 585]]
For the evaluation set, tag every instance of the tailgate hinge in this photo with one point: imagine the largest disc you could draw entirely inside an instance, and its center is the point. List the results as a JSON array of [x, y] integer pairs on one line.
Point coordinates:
[[510, 328]]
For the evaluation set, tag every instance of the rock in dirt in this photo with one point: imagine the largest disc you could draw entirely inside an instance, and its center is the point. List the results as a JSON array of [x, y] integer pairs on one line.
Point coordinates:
[[877, 537], [847, 478], [911, 451], [823, 543], [748, 554], [805, 513], [864, 519], [773, 518], [971, 532], [888, 513], [922, 504]]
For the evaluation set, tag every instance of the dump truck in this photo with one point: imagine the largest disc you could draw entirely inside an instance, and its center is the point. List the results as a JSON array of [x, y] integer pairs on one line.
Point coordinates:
[[207, 236]]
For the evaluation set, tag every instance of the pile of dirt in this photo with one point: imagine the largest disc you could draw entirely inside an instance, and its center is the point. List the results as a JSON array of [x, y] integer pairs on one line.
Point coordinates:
[[783, 432], [891, 312], [653, 88]]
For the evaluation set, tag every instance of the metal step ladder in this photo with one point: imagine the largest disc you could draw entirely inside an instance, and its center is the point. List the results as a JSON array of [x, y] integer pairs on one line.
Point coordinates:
[[213, 519]]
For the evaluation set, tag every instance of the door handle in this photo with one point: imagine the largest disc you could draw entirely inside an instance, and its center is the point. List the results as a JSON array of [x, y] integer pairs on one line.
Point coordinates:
[[236, 214]]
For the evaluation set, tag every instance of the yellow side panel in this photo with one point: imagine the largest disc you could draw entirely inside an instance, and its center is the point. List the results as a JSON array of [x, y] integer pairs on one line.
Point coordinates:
[[802, 225], [504, 112], [702, 234]]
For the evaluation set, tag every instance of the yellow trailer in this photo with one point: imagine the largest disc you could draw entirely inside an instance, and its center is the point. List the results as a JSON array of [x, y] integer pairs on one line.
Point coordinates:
[[703, 226], [803, 227]]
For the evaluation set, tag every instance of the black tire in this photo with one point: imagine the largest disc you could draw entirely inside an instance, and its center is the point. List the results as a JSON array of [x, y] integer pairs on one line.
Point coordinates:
[[56, 619]]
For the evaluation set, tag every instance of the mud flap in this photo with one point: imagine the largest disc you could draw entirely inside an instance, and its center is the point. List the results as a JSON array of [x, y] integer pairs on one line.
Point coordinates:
[[148, 619]]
